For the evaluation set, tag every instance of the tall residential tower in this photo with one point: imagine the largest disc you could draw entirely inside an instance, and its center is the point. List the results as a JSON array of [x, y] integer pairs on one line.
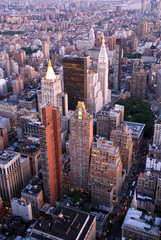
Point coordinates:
[[51, 153]]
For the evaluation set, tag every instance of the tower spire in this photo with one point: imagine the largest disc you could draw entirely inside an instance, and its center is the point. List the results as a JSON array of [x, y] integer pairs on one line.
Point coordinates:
[[50, 74]]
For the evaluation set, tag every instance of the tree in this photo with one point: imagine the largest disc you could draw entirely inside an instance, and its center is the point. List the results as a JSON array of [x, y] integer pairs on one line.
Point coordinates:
[[137, 110]]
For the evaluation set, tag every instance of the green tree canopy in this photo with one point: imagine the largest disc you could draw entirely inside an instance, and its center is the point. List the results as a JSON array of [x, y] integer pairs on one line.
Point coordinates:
[[137, 110]]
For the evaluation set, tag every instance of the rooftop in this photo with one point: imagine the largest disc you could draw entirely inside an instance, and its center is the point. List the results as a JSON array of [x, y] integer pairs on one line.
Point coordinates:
[[105, 145], [32, 189], [68, 223], [137, 220], [136, 128], [7, 156], [20, 201]]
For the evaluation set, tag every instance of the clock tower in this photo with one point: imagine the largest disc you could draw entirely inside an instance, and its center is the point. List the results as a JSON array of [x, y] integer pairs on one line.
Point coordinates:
[[102, 69]]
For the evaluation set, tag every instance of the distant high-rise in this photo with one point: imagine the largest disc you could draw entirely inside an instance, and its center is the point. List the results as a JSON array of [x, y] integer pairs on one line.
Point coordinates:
[[20, 57], [81, 138], [117, 67], [45, 49], [75, 80], [143, 7], [119, 10], [142, 29], [138, 81], [122, 137], [102, 68], [105, 172], [51, 153], [91, 35]]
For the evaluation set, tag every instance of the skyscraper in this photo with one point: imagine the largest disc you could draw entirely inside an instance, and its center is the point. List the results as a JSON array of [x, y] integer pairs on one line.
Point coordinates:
[[81, 138], [122, 137], [117, 67], [75, 80], [45, 49], [105, 172], [51, 153], [51, 88], [143, 7], [102, 69], [142, 29], [138, 81]]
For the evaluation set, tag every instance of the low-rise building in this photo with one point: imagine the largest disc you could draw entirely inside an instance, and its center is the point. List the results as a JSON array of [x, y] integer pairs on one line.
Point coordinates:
[[67, 223], [21, 208], [140, 226], [34, 195]]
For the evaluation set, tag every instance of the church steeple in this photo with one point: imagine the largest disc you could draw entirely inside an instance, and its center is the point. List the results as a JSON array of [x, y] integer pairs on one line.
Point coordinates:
[[103, 58], [50, 74]]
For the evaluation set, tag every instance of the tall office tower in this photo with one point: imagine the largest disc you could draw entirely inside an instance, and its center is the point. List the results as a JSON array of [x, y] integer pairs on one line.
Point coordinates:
[[102, 69], [143, 7], [20, 57], [157, 135], [105, 172], [81, 138], [75, 80], [117, 66], [10, 175], [45, 49], [51, 153], [94, 93], [138, 81], [142, 29], [51, 88], [123, 139]]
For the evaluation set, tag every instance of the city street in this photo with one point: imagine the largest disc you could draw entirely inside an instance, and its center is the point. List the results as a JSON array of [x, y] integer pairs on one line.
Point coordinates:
[[124, 201]]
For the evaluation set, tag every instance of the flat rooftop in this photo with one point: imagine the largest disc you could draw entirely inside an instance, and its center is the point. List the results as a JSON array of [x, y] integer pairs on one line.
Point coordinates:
[[7, 156], [67, 224], [137, 220], [105, 145], [32, 189], [136, 128]]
